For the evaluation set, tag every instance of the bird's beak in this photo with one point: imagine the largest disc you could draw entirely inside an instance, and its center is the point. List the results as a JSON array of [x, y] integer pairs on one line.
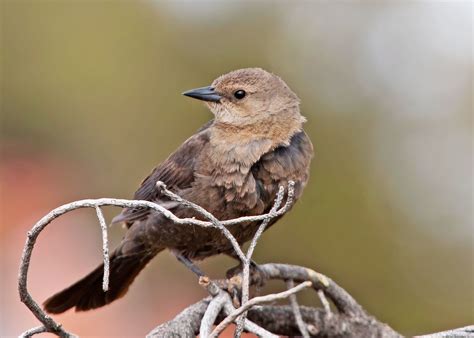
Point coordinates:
[[204, 93]]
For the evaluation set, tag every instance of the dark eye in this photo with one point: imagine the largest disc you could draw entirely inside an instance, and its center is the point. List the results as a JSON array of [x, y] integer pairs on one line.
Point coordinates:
[[239, 94]]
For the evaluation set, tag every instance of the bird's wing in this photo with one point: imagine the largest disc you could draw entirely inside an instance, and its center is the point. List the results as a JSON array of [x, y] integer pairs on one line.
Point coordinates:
[[177, 172]]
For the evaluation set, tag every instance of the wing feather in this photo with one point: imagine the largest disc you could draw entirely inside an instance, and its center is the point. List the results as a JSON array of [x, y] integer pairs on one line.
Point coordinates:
[[177, 172]]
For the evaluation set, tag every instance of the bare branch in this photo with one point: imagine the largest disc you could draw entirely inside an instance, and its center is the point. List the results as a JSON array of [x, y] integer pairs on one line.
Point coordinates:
[[48, 322], [210, 316], [206, 214], [249, 326], [216, 290], [278, 319], [296, 310], [467, 332], [105, 248], [185, 324], [325, 302], [253, 244], [264, 321], [281, 320], [341, 299], [49, 325], [255, 301], [273, 214], [246, 259], [33, 331]]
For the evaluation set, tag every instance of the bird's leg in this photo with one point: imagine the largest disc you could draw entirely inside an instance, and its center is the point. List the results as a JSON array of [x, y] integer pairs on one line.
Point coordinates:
[[189, 264]]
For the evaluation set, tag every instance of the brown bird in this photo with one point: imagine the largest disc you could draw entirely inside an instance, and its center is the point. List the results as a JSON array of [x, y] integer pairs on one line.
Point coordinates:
[[232, 167]]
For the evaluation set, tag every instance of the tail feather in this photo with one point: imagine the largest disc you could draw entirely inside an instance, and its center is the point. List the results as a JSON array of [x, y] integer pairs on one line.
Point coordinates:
[[87, 293]]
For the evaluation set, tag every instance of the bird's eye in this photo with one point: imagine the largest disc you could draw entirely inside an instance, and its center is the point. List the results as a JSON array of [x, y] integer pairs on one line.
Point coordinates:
[[240, 94]]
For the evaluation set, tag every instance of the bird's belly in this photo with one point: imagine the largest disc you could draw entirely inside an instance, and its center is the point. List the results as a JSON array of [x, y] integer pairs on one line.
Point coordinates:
[[195, 242]]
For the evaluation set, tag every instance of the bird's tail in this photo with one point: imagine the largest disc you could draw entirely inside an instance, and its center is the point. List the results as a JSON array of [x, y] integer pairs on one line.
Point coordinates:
[[87, 293]]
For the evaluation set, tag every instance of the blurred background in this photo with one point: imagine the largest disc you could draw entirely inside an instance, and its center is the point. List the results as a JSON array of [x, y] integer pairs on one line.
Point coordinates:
[[90, 103]]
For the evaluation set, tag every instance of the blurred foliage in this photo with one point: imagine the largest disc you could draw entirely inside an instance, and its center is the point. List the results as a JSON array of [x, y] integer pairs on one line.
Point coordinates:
[[386, 87]]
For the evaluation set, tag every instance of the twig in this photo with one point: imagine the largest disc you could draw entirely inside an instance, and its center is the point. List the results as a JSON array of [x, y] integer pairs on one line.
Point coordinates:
[[218, 224], [296, 310], [125, 203], [185, 324], [465, 332], [272, 214], [280, 320], [217, 291], [49, 324], [325, 303], [340, 297], [206, 214], [253, 244], [255, 301], [105, 248], [249, 326], [207, 321], [47, 321], [33, 331], [262, 319]]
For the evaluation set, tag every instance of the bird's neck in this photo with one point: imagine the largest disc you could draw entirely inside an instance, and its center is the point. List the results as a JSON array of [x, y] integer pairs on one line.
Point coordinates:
[[245, 144]]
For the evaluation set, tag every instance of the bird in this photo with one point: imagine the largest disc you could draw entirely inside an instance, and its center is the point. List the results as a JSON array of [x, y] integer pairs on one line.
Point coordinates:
[[232, 167]]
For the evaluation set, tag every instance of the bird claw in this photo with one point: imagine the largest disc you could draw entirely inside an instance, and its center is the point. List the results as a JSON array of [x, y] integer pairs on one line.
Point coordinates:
[[234, 276], [258, 277], [235, 290]]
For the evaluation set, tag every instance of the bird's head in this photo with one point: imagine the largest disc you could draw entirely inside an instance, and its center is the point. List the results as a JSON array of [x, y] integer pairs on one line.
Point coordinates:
[[249, 96]]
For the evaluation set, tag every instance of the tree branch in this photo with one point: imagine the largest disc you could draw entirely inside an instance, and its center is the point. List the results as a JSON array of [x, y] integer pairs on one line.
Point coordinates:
[[52, 326], [278, 319], [266, 321], [255, 301], [467, 331], [296, 310], [210, 316]]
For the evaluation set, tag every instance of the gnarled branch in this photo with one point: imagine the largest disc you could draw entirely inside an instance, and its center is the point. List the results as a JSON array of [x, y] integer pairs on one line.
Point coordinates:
[[222, 308]]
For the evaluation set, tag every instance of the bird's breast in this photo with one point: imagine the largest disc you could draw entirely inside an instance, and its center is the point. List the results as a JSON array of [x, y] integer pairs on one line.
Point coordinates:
[[232, 191]]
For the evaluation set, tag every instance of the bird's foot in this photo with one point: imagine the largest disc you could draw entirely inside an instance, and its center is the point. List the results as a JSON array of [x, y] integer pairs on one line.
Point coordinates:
[[235, 277], [257, 275]]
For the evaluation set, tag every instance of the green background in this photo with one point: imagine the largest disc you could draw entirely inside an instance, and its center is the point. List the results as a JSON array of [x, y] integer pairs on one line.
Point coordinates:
[[90, 103]]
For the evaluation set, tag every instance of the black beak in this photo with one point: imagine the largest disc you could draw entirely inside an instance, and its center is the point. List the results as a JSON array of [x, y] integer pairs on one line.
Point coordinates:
[[204, 93]]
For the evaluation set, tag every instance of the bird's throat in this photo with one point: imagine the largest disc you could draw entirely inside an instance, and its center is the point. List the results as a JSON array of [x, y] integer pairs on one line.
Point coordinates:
[[246, 144]]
